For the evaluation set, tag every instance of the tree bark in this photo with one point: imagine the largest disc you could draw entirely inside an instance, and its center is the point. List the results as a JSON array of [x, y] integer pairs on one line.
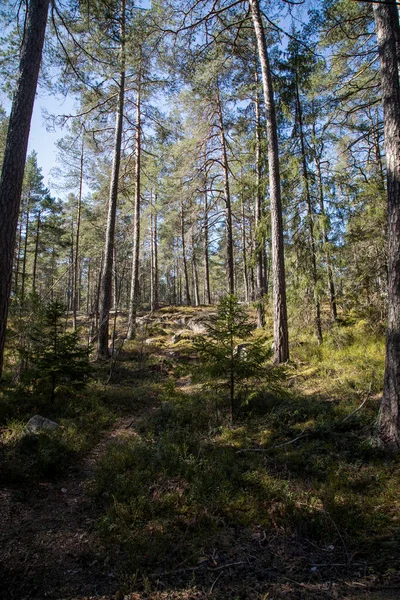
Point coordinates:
[[35, 259], [155, 256], [259, 244], [228, 207], [387, 31], [185, 267], [16, 148], [77, 240], [310, 215], [329, 270], [281, 337], [23, 272], [106, 276], [195, 273], [244, 253], [133, 300], [207, 289]]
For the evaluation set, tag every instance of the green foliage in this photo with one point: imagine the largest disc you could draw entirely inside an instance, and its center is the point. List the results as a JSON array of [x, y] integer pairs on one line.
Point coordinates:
[[223, 356], [53, 361]]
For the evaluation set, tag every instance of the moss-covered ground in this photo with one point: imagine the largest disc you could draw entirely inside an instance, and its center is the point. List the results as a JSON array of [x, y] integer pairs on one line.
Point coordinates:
[[292, 499]]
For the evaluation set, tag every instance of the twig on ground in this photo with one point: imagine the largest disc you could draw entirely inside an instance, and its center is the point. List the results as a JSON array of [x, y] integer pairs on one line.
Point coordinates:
[[301, 435], [215, 581], [362, 403]]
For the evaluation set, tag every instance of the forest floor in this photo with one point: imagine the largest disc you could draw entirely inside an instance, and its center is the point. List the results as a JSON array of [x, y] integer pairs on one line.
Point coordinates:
[[158, 495]]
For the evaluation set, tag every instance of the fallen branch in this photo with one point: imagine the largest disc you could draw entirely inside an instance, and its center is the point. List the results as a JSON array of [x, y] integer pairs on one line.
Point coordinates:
[[301, 435], [362, 403]]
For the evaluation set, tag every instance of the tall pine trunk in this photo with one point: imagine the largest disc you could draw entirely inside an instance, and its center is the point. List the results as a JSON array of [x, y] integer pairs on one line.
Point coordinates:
[[75, 298], [133, 299], [106, 275], [260, 243], [244, 253], [325, 239], [16, 148], [310, 218], [36, 255], [281, 336], [207, 289], [184, 258], [24, 260], [387, 31], [228, 207]]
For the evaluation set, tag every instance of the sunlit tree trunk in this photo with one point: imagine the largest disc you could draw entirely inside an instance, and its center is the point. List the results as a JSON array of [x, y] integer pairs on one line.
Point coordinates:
[[207, 291], [133, 300], [310, 218], [281, 337], [387, 30], [16, 149], [228, 207], [184, 258], [36, 255], [244, 253], [106, 276], [259, 243], [77, 240]]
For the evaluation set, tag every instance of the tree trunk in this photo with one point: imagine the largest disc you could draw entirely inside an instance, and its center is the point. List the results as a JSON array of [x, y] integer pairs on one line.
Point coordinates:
[[155, 257], [195, 272], [207, 290], [387, 31], [281, 337], [133, 299], [23, 272], [35, 258], [18, 250], [78, 228], [329, 270], [106, 276], [244, 253], [260, 243], [16, 148], [228, 208], [310, 218], [185, 268]]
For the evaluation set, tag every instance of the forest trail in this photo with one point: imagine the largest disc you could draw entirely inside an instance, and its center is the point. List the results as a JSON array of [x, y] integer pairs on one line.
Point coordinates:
[[48, 541], [50, 546]]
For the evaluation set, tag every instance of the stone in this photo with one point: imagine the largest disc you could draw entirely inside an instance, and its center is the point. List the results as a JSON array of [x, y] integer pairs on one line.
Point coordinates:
[[37, 424], [197, 327]]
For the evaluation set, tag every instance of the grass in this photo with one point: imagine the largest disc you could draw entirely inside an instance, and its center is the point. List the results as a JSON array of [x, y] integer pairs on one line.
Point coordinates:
[[298, 464], [295, 463]]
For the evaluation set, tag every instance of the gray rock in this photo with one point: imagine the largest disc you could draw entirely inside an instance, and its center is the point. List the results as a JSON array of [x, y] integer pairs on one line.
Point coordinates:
[[37, 424], [197, 327], [183, 334]]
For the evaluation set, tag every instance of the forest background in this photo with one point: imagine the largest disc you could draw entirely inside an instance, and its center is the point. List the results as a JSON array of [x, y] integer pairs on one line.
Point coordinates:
[[217, 221]]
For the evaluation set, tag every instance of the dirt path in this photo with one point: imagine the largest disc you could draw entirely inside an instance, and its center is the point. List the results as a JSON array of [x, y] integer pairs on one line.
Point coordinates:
[[48, 543]]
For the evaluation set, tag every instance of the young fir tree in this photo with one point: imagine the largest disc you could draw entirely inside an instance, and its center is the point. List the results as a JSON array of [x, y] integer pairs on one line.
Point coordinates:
[[223, 355], [53, 359]]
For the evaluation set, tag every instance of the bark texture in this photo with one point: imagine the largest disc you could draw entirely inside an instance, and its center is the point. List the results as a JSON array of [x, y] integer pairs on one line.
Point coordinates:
[[106, 275], [228, 206], [387, 31], [133, 300], [16, 148], [281, 337]]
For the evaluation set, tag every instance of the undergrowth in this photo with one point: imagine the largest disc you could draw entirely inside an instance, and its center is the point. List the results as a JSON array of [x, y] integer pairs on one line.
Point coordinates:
[[299, 461]]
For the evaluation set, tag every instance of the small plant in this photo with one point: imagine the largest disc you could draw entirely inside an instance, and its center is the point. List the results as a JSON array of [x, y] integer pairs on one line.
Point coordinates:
[[52, 358], [222, 353]]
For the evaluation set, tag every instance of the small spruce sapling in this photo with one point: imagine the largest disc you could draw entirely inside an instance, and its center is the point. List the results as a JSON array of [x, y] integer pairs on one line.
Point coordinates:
[[222, 355], [54, 359]]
